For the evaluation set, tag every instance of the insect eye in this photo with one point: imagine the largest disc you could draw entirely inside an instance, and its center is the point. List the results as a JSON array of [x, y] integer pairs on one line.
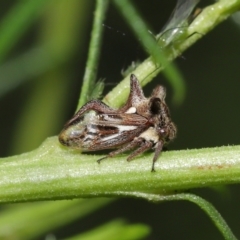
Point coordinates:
[[155, 106]]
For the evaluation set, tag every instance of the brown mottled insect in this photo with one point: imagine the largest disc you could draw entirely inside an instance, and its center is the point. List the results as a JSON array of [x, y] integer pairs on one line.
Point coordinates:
[[142, 123]]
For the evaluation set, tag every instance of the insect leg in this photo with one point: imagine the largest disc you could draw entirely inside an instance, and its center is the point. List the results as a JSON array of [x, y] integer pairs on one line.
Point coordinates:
[[144, 147], [95, 105], [125, 148], [99, 160], [158, 149]]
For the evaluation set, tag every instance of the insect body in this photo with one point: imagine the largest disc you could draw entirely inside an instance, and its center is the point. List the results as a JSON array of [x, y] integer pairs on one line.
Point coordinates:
[[141, 124]]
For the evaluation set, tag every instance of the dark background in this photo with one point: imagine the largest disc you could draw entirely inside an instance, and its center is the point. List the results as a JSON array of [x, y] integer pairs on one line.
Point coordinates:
[[208, 117]]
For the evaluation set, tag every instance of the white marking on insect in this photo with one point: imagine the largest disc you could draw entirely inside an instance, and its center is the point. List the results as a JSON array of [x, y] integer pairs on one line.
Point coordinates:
[[150, 135], [91, 129], [123, 128], [110, 137], [131, 110]]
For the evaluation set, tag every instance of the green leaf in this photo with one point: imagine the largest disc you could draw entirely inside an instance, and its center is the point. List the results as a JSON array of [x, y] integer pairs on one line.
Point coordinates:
[[116, 230], [28, 221]]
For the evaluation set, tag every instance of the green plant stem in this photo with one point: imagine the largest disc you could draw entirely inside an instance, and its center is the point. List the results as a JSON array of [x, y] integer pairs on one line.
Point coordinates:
[[207, 207], [94, 51], [209, 18], [50, 172]]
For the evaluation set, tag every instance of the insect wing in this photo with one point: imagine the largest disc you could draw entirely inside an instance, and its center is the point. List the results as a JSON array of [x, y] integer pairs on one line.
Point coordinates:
[[181, 12], [178, 19], [113, 130]]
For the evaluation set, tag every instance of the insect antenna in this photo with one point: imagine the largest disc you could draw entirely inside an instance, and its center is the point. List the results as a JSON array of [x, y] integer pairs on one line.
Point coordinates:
[[112, 28]]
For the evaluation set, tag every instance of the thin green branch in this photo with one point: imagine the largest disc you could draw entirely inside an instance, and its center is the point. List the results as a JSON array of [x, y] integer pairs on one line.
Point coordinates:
[[53, 172], [94, 51], [209, 18], [212, 212], [206, 206]]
